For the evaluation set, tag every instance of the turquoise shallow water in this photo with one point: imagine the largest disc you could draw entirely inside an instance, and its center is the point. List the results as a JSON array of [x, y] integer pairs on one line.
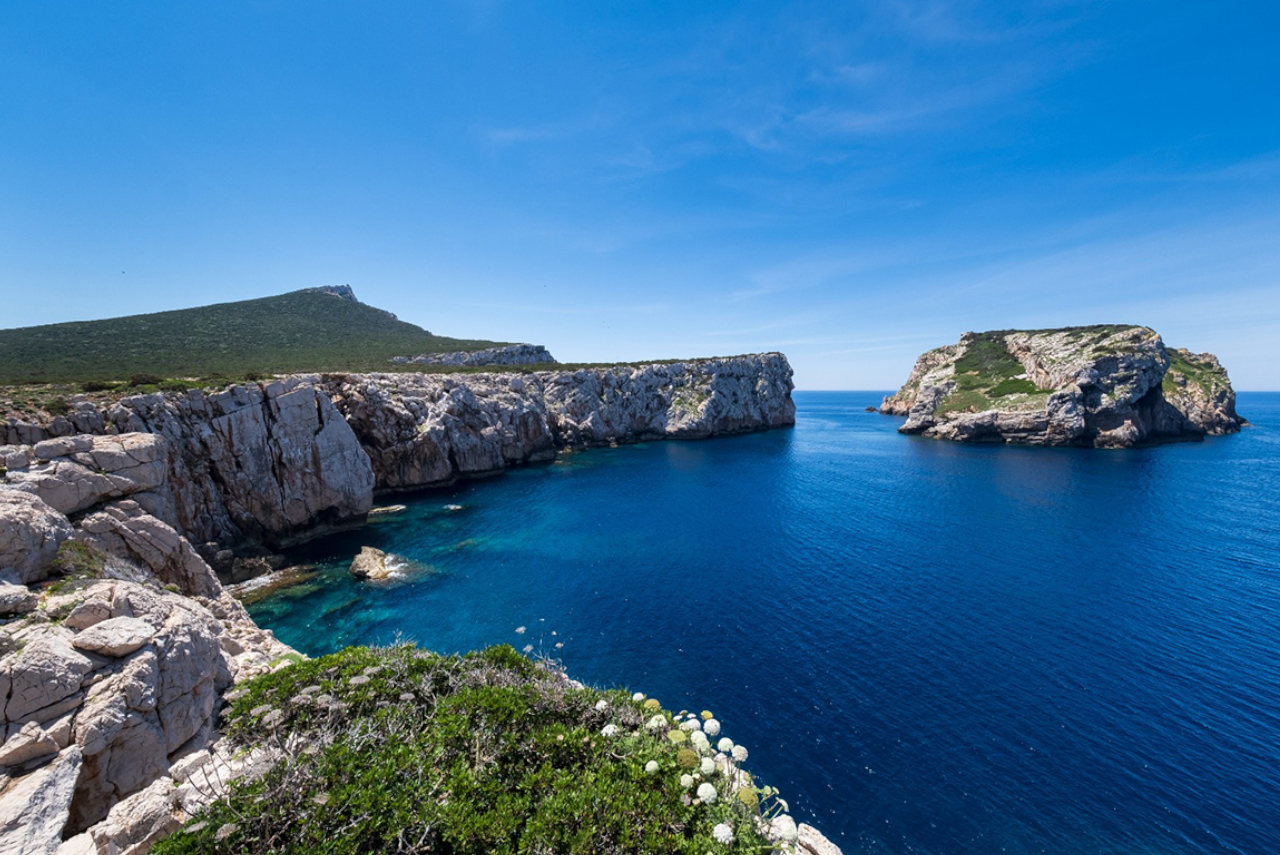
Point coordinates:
[[930, 648]]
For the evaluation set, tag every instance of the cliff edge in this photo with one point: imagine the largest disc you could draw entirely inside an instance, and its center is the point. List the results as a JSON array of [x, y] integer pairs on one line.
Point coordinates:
[[1100, 386], [119, 647]]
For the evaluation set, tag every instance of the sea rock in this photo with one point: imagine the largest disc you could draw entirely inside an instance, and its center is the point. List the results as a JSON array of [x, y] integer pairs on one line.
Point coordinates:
[[812, 842], [369, 564], [1197, 387], [30, 534], [1093, 386]]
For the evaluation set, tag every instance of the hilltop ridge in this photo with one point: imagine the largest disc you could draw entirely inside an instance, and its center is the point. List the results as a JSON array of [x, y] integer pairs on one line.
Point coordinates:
[[314, 329]]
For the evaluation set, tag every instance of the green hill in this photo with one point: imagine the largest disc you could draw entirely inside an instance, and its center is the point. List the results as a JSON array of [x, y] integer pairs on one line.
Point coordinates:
[[311, 330]]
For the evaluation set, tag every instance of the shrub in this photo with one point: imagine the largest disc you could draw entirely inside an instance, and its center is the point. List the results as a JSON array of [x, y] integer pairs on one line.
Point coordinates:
[[399, 750], [97, 386], [57, 406], [76, 560], [145, 379]]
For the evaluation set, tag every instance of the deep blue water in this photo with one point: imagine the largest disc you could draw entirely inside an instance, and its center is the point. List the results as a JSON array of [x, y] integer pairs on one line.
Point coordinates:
[[930, 648]]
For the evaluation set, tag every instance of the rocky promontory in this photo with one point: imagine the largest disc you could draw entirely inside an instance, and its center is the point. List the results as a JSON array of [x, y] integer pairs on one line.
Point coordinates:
[[1101, 386], [119, 643]]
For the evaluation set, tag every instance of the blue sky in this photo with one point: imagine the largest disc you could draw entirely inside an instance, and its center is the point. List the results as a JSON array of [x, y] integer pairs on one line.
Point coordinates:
[[850, 183]]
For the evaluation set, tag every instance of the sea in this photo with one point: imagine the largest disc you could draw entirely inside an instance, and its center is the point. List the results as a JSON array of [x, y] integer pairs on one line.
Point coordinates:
[[927, 647]]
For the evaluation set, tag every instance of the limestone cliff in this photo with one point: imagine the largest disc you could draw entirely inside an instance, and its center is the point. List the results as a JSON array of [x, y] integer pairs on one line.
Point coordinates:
[[272, 463], [111, 674], [423, 430], [1103, 386]]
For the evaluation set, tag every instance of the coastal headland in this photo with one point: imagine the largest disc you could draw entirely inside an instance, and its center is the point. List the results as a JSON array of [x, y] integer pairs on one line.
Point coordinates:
[[122, 648]]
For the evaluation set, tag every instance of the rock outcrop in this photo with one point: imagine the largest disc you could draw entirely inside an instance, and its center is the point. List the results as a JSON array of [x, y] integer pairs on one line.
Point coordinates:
[[1108, 387], [255, 463], [110, 679], [510, 354], [422, 430], [107, 686], [370, 563], [272, 463]]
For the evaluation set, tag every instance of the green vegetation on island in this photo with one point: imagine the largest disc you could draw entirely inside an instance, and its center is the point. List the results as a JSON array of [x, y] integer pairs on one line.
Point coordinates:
[[397, 750], [302, 331], [987, 373]]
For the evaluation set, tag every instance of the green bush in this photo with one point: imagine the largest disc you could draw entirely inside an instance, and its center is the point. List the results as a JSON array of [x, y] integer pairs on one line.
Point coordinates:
[[402, 751]]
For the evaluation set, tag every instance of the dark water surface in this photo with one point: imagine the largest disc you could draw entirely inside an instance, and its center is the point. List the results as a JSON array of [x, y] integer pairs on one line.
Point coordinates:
[[930, 648]]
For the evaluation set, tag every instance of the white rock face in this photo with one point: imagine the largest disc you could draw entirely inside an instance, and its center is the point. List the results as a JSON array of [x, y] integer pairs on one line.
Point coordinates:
[[30, 534], [34, 808], [252, 463], [1094, 386], [16, 600], [73, 473], [278, 462], [114, 636], [125, 683], [424, 430], [124, 529]]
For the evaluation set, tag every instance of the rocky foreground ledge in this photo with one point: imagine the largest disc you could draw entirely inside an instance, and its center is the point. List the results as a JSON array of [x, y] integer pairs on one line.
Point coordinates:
[[1101, 386], [117, 640]]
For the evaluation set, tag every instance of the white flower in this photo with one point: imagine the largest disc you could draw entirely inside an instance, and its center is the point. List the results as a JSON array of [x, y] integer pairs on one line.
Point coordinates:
[[722, 833], [651, 767], [686, 781], [712, 727], [739, 753], [785, 828], [658, 722], [520, 630], [725, 745], [689, 725], [609, 730], [707, 792], [699, 740], [708, 766], [602, 705], [638, 696]]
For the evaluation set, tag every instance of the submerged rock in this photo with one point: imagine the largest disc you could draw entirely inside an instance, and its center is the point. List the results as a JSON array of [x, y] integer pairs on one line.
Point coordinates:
[[1102, 386]]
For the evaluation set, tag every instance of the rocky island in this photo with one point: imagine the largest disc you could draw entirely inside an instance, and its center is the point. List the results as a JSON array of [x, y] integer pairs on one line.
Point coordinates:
[[1100, 386], [122, 657]]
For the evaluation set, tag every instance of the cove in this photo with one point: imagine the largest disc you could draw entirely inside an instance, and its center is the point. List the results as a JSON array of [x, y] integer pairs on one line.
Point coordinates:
[[928, 647]]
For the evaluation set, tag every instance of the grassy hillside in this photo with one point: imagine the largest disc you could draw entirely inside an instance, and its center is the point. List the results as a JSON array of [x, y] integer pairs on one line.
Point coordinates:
[[301, 331]]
